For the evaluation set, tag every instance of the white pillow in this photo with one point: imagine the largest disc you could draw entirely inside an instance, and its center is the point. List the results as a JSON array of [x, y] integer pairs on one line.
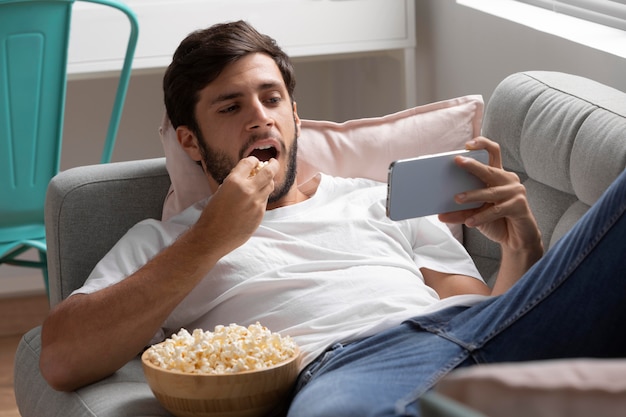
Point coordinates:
[[356, 148]]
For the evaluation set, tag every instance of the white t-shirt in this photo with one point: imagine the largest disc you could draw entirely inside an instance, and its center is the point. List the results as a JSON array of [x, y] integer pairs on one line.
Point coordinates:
[[333, 268]]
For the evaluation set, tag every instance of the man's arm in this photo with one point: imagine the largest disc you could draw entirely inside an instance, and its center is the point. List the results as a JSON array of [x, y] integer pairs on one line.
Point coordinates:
[[447, 285], [89, 336]]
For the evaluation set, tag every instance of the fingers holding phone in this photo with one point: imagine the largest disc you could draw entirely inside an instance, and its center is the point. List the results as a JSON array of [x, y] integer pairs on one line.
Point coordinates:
[[505, 217], [503, 194]]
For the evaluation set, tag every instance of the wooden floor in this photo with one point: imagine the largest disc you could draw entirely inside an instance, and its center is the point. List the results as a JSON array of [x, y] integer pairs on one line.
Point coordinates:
[[18, 316]]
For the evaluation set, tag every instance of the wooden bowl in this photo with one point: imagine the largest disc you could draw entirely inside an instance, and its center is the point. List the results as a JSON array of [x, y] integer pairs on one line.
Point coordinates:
[[243, 394]]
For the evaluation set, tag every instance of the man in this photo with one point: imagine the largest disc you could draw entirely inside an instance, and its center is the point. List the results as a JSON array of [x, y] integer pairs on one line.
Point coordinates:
[[381, 309]]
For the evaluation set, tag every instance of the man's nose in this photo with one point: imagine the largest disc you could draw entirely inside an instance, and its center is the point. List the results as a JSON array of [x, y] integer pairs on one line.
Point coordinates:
[[259, 117]]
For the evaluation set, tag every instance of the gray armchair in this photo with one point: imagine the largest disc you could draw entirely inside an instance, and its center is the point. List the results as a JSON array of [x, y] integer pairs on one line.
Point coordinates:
[[87, 210], [564, 135]]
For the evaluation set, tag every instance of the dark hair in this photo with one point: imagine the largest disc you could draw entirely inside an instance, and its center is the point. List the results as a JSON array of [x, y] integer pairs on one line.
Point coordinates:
[[203, 55]]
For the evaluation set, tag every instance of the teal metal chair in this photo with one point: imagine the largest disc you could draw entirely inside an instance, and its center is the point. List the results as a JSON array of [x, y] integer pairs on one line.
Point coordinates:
[[34, 38]]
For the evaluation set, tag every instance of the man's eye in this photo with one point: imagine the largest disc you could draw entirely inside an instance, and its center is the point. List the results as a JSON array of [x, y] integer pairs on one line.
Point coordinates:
[[274, 100], [229, 109]]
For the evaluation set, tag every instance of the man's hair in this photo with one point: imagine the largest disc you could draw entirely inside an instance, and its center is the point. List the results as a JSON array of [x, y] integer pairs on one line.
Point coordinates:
[[203, 55]]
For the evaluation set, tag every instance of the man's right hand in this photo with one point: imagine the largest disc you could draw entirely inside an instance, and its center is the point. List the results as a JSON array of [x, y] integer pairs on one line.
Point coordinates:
[[237, 208]]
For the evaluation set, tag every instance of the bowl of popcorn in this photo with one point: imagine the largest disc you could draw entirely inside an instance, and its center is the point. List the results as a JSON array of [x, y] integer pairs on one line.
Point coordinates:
[[233, 371]]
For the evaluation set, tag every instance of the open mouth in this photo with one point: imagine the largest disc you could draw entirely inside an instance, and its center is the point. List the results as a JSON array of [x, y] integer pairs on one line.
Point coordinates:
[[264, 153]]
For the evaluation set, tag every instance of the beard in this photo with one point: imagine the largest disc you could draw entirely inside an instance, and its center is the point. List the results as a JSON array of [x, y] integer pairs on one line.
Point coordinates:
[[218, 164]]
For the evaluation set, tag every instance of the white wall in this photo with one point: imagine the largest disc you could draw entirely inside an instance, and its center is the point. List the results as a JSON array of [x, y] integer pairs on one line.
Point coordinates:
[[460, 51]]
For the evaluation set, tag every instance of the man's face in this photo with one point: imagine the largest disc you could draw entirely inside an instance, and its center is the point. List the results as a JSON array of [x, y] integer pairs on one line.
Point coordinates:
[[247, 111]]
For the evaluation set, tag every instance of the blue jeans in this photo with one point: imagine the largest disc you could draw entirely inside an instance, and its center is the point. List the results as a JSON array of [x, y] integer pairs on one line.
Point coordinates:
[[572, 303]]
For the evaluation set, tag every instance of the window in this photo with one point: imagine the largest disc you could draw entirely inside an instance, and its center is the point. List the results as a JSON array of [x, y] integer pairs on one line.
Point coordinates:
[[563, 18], [606, 12]]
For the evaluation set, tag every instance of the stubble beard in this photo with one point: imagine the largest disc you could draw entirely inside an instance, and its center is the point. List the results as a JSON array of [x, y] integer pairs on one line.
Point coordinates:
[[219, 164]]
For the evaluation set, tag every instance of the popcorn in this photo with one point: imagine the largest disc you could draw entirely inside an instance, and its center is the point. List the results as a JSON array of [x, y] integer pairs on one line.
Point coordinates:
[[228, 349], [258, 168]]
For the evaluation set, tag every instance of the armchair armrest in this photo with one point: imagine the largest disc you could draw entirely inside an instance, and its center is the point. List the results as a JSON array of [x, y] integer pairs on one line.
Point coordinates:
[[89, 208]]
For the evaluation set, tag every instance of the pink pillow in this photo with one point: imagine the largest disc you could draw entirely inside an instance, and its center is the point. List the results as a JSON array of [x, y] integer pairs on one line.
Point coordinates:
[[357, 148], [188, 181], [561, 387]]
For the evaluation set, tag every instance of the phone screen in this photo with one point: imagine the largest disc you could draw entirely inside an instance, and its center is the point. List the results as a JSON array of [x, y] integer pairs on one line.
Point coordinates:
[[427, 185]]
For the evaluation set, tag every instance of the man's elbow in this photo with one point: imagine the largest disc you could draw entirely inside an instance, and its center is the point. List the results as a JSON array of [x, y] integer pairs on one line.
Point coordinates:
[[66, 375], [59, 376], [57, 365]]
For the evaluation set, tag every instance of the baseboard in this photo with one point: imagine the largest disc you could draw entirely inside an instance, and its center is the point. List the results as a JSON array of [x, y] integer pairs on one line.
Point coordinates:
[[20, 314], [20, 282]]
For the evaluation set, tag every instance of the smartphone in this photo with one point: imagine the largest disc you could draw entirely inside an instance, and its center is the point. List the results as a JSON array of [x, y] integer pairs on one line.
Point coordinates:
[[427, 185]]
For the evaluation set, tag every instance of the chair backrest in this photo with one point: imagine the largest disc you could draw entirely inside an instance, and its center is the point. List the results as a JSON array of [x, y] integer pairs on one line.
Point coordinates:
[[34, 38], [565, 136], [33, 51]]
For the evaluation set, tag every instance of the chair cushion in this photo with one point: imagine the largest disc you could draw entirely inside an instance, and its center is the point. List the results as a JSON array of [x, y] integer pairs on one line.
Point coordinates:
[[35, 398]]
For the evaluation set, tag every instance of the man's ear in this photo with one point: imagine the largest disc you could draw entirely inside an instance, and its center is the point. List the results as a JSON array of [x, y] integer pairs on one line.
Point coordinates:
[[189, 142], [296, 118]]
